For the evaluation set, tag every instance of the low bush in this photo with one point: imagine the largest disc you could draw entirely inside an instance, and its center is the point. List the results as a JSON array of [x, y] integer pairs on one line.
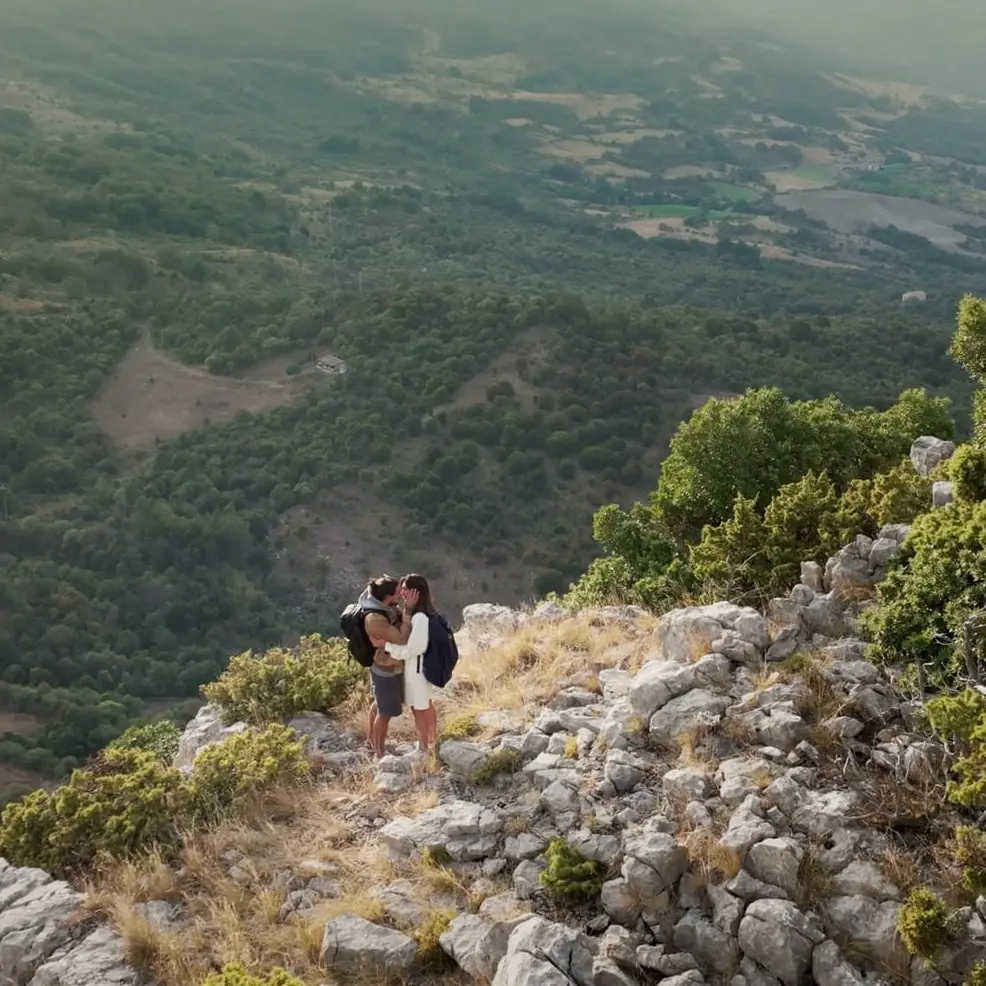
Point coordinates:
[[159, 738], [124, 802], [228, 775], [461, 727], [923, 924], [504, 761], [970, 854], [569, 875], [235, 974], [128, 800], [316, 675]]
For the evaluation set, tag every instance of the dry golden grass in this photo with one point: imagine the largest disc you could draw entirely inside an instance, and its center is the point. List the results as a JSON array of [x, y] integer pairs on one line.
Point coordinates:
[[814, 882], [223, 919], [526, 668], [711, 860]]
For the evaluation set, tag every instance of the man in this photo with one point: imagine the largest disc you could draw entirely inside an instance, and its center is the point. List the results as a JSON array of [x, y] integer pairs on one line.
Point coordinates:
[[386, 624]]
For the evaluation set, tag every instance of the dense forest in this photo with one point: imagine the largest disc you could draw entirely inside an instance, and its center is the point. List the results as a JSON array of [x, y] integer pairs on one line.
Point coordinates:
[[243, 192]]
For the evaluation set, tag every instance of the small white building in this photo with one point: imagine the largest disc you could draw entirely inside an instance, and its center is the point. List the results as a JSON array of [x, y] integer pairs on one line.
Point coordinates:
[[909, 296], [331, 364]]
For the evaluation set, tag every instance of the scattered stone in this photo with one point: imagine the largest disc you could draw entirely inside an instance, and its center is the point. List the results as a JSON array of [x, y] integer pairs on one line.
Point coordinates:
[[358, 947]]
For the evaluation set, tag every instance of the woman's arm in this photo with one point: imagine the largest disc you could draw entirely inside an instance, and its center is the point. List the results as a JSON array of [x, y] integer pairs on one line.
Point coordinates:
[[416, 644]]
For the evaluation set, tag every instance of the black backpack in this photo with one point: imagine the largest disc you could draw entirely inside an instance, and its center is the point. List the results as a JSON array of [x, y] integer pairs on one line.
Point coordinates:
[[352, 624], [439, 660]]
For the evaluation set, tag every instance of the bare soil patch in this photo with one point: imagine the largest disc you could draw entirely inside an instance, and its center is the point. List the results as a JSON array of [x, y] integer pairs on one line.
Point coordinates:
[[19, 723], [49, 111], [613, 170], [573, 149], [790, 181], [668, 226], [585, 105], [771, 251], [332, 548], [152, 397], [850, 212], [531, 346], [495, 70], [905, 93], [631, 136], [9, 775]]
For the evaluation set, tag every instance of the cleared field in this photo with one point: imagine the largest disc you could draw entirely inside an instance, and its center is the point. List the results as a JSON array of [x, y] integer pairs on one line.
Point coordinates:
[[151, 397], [673, 211], [805, 178], [849, 212], [737, 193]]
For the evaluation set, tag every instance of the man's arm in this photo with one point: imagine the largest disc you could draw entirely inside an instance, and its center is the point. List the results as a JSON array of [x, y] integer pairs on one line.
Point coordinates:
[[378, 627]]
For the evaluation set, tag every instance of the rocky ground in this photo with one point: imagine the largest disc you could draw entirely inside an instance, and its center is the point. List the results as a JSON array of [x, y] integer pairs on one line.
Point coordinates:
[[757, 796]]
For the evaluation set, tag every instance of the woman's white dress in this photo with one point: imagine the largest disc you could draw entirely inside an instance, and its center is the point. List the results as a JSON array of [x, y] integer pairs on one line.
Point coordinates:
[[417, 690]]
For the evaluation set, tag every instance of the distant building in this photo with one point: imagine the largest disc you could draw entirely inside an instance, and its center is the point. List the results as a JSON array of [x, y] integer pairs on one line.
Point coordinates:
[[914, 296], [331, 364]]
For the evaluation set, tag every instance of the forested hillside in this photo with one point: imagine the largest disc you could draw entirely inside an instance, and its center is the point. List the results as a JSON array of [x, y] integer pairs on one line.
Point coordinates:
[[533, 243]]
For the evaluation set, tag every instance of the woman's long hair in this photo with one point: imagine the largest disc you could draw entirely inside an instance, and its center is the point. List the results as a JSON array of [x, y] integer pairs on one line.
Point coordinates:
[[420, 585]]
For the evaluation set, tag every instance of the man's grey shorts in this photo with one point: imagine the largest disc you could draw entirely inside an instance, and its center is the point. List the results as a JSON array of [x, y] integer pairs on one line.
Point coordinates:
[[388, 693]]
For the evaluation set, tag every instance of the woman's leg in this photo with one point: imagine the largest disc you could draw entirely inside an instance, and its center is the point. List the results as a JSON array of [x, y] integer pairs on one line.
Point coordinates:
[[422, 724], [432, 723]]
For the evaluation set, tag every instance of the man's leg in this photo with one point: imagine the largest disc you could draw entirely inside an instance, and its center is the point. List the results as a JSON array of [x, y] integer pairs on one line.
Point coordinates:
[[369, 724], [379, 734]]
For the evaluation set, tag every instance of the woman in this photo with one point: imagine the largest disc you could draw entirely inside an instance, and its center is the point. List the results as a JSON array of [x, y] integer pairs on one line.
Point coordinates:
[[417, 690]]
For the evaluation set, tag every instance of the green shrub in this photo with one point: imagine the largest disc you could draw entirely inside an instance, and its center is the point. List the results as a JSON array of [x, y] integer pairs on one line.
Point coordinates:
[[896, 496], [122, 803], [502, 761], [228, 775], [923, 924], [459, 728], [235, 974], [569, 875], [160, 738], [970, 854], [957, 717], [967, 470], [940, 580], [315, 675]]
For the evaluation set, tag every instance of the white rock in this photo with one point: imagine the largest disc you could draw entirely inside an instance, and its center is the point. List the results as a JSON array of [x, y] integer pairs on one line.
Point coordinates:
[[942, 494], [863, 878], [685, 784], [462, 758], [928, 452], [776, 861], [620, 902], [623, 770], [779, 938], [681, 715], [204, 730], [540, 953], [653, 865], [872, 924], [829, 968], [465, 830], [358, 947], [686, 634]]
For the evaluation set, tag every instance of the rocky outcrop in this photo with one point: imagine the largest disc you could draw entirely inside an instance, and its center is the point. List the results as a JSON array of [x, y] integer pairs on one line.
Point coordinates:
[[722, 790], [46, 940]]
